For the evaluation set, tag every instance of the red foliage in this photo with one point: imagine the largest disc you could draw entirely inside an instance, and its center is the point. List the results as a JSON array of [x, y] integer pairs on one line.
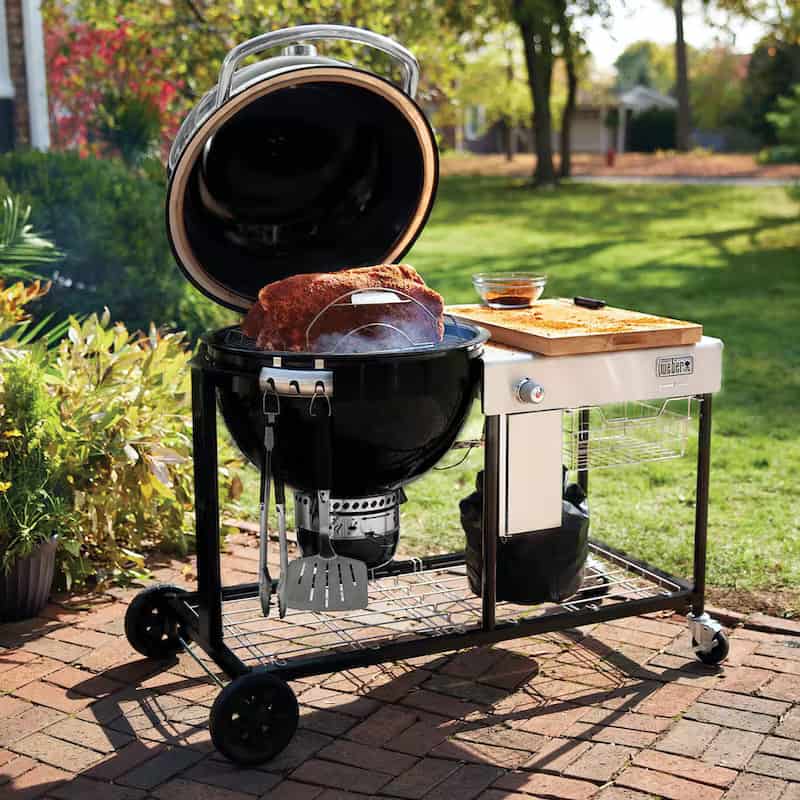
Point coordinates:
[[96, 74]]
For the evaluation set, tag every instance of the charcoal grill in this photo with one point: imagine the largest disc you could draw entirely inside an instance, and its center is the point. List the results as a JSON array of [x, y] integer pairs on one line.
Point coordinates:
[[305, 163]]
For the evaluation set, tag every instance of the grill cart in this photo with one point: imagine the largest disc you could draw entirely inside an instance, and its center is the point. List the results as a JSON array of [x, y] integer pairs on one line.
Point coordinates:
[[303, 161]]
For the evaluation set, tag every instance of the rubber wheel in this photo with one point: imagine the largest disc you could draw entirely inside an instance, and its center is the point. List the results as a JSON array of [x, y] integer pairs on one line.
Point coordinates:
[[150, 624], [253, 718], [719, 649]]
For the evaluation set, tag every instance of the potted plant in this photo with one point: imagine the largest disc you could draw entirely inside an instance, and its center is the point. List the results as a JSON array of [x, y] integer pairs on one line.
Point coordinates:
[[34, 507]]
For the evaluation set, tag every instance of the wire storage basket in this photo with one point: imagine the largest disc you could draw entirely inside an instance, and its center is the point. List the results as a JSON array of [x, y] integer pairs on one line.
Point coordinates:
[[633, 432]]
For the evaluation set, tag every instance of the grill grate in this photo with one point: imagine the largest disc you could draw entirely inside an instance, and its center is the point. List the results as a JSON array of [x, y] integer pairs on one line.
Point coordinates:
[[455, 335], [428, 603]]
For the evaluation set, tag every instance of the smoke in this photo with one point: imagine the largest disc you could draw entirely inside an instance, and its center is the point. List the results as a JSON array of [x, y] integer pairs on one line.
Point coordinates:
[[376, 328]]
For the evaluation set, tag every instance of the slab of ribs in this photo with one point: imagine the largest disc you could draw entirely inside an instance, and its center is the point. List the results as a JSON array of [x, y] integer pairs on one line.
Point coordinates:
[[315, 312]]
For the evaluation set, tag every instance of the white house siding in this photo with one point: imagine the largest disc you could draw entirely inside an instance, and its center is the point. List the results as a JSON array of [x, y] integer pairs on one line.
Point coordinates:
[[589, 134]]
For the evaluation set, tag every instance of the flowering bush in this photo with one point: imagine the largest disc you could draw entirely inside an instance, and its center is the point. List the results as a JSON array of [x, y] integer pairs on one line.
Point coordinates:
[[107, 90]]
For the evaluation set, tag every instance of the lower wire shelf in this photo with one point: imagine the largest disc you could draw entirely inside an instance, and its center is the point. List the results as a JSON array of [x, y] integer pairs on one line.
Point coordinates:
[[422, 604]]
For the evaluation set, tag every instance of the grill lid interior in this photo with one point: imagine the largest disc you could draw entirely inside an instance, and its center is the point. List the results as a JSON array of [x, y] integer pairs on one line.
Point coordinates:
[[317, 170]]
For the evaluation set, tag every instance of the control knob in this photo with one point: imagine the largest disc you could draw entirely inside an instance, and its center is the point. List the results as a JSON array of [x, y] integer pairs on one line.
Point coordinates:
[[528, 391]]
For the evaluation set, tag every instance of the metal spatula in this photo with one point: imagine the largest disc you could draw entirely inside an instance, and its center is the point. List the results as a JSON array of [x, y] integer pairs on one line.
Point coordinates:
[[326, 582]]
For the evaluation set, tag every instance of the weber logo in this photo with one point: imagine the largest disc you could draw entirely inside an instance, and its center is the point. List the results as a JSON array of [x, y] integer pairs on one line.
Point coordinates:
[[675, 365]]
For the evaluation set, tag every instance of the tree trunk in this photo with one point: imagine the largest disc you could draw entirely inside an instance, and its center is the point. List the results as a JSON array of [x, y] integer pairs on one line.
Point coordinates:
[[508, 121], [684, 124], [569, 109], [508, 131], [537, 42]]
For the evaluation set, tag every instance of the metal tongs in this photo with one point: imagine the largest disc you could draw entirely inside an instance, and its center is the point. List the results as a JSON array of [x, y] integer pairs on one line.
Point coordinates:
[[272, 409]]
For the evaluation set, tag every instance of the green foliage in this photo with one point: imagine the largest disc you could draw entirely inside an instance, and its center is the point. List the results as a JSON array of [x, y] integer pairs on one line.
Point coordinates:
[[652, 130], [125, 405], [129, 125], [495, 79], [110, 223], [786, 120], [21, 250], [196, 36], [716, 88], [34, 502], [646, 64], [779, 154], [95, 443], [773, 69]]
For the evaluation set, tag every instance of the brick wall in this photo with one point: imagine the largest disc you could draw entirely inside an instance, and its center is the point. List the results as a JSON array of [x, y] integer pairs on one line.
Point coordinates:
[[16, 57]]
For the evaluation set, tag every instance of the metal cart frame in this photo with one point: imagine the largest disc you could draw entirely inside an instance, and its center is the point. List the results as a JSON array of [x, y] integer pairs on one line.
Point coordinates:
[[200, 613]]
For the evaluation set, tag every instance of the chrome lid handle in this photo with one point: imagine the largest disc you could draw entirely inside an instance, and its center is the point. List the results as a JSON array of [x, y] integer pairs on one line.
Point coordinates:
[[307, 33]]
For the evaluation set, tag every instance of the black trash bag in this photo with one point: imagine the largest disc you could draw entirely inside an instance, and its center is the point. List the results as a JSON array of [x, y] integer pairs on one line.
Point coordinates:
[[537, 566]]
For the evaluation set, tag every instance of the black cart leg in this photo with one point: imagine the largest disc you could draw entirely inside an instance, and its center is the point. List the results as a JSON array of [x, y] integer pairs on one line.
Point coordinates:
[[491, 514], [206, 503], [708, 639], [701, 505]]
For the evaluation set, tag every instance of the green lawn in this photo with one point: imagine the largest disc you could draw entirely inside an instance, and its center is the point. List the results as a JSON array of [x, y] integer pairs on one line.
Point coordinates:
[[725, 256]]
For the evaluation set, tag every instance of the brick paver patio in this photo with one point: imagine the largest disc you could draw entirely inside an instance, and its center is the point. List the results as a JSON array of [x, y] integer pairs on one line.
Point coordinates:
[[618, 711]]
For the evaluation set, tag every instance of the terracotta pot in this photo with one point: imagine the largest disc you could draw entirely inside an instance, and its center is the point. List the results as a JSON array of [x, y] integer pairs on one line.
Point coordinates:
[[25, 588]]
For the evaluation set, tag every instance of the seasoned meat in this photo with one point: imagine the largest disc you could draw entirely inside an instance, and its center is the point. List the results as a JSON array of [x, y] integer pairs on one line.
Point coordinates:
[[314, 312]]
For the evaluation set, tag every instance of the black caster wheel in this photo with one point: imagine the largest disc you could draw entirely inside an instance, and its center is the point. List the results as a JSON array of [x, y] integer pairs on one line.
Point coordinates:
[[253, 718], [150, 624], [719, 650]]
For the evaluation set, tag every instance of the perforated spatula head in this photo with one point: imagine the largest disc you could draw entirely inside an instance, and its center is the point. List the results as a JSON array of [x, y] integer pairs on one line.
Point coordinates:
[[320, 583]]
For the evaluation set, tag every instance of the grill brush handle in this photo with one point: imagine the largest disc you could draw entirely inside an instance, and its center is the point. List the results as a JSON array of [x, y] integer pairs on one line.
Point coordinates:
[[309, 33]]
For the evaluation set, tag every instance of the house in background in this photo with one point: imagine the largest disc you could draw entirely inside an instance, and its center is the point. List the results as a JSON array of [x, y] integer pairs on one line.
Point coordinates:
[[591, 132], [24, 120], [633, 102]]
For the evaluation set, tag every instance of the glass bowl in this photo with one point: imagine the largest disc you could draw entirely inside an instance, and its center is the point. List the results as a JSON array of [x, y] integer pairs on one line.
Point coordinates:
[[509, 289]]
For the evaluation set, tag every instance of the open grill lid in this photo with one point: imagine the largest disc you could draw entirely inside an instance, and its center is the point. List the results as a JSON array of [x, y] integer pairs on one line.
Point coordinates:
[[298, 163]]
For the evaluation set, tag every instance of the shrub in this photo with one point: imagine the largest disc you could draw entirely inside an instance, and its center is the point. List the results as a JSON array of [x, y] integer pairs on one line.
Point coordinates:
[[786, 121], [110, 223], [780, 154], [652, 130], [34, 498], [124, 403], [107, 89]]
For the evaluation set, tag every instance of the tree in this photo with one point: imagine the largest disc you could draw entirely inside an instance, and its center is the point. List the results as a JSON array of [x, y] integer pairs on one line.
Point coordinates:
[[571, 51], [684, 118], [493, 79], [646, 63], [781, 17], [717, 88], [773, 68], [537, 20], [196, 34], [107, 90], [548, 30], [786, 119]]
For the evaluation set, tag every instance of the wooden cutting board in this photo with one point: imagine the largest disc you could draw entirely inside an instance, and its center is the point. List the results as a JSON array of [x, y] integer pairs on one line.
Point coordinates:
[[558, 327]]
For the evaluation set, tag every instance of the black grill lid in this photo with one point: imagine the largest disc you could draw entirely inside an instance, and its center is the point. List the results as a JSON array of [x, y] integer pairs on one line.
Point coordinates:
[[315, 169]]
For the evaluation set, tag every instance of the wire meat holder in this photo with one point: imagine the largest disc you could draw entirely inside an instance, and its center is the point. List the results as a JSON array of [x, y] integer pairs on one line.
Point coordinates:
[[375, 331]]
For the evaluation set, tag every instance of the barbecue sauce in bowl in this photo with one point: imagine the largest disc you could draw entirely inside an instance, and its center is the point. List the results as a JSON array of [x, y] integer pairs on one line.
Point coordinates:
[[510, 289]]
